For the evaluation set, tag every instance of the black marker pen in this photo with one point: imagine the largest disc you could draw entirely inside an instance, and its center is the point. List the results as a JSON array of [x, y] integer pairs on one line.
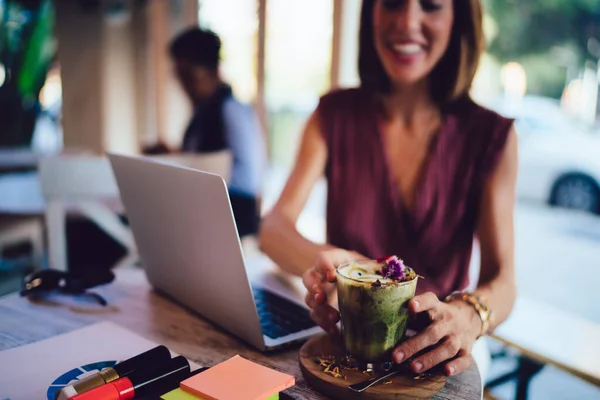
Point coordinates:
[[156, 356]]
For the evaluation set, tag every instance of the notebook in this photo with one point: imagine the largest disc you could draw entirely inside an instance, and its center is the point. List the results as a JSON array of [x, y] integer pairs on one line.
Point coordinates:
[[237, 379], [82, 352]]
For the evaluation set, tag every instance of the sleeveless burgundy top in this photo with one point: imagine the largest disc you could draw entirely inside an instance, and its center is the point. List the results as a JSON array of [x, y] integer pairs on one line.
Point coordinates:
[[365, 212]]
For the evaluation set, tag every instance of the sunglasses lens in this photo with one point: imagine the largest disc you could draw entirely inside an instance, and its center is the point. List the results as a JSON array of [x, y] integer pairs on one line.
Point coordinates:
[[67, 283], [43, 281]]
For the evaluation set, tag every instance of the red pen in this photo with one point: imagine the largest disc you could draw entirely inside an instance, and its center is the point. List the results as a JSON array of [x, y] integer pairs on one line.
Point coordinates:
[[155, 356], [140, 382]]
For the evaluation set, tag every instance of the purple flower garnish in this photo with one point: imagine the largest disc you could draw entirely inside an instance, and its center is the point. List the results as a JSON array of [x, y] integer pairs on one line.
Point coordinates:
[[393, 268]]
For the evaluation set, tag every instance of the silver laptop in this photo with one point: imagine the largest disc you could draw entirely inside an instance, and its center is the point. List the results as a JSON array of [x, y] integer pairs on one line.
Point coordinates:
[[187, 239]]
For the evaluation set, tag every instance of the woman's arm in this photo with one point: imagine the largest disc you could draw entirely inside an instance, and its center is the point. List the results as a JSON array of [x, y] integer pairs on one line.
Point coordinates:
[[496, 235], [278, 236], [456, 325]]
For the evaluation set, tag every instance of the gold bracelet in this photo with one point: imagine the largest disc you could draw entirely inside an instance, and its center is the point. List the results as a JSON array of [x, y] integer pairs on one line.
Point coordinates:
[[479, 304]]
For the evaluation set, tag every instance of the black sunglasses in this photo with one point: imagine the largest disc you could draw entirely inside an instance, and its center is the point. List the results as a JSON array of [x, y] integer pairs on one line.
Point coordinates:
[[50, 280]]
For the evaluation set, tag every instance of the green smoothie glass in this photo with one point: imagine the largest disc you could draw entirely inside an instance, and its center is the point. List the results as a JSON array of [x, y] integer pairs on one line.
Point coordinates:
[[374, 310]]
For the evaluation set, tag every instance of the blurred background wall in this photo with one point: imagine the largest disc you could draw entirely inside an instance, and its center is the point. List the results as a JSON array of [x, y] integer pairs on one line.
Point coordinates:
[[107, 60]]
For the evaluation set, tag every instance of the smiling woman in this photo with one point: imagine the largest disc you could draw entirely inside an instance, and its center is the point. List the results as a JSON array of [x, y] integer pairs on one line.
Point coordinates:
[[415, 168], [448, 46]]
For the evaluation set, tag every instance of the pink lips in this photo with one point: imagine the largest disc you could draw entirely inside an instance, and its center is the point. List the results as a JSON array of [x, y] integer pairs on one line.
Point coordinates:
[[405, 52], [405, 58]]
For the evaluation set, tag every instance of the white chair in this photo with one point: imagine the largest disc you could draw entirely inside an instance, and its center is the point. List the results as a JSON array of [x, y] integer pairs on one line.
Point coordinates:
[[15, 230], [217, 163], [84, 184]]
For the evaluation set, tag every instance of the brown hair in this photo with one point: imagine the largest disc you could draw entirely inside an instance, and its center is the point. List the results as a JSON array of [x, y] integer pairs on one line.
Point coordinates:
[[452, 77]]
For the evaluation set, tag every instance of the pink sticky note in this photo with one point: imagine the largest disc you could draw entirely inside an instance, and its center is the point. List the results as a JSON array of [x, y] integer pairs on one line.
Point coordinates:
[[237, 379]]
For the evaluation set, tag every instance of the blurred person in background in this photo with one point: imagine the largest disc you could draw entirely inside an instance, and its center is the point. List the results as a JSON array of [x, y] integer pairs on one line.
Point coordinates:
[[414, 168], [219, 122]]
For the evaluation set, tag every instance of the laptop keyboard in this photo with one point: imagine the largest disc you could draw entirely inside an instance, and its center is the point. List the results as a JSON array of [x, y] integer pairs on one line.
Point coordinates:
[[280, 317]]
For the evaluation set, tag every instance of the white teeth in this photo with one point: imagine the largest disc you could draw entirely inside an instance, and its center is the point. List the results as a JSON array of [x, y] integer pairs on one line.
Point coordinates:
[[409, 48]]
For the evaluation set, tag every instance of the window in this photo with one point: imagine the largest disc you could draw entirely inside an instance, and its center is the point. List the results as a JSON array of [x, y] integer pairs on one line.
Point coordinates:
[[298, 60], [544, 56], [238, 32]]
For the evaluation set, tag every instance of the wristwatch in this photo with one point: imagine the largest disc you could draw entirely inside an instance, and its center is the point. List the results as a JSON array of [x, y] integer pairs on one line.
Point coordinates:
[[479, 304]]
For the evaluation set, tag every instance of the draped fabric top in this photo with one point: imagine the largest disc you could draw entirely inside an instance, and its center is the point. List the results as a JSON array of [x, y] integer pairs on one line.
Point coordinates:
[[365, 210]]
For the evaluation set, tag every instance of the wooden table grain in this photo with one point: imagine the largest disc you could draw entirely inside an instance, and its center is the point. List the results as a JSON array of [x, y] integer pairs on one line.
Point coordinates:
[[135, 305]]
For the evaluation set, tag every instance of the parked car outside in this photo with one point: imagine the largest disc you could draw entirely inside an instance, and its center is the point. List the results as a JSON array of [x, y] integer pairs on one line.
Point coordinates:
[[559, 160]]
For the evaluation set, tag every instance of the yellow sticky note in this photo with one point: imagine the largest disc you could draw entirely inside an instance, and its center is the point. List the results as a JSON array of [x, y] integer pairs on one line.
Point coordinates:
[[179, 394]]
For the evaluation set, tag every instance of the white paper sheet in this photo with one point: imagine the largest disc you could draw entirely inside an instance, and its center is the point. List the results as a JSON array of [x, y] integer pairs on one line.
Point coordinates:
[[35, 371]]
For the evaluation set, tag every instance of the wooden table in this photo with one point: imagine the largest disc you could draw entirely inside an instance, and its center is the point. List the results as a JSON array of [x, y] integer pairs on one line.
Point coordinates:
[[531, 328], [134, 305]]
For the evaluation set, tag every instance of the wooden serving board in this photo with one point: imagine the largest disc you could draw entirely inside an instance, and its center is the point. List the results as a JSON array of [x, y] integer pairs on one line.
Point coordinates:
[[402, 386]]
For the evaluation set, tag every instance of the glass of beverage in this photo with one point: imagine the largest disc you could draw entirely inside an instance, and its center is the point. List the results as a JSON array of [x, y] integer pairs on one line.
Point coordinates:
[[373, 304]]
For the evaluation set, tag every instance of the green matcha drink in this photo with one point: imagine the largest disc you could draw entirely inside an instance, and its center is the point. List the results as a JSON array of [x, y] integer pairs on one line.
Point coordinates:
[[373, 300]]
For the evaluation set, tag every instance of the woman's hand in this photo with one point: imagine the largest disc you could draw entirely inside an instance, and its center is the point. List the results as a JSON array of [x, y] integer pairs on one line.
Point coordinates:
[[452, 330], [320, 282]]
